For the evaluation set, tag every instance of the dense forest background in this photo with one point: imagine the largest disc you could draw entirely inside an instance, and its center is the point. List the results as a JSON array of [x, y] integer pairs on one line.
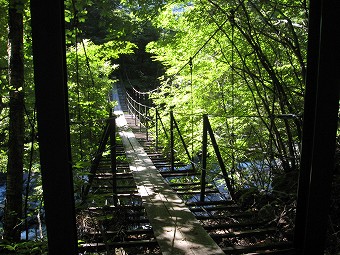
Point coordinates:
[[241, 62]]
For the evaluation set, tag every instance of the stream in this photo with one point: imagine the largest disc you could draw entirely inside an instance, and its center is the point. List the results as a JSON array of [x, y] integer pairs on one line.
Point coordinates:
[[33, 231]]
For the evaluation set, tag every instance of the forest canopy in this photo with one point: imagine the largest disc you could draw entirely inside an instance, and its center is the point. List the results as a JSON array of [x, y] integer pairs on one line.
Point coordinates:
[[244, 64]]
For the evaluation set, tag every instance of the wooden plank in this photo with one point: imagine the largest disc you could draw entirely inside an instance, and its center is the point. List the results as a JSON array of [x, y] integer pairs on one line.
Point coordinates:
[[115, 208], [139, 220], [226, 216], [108, 193], [125, 187], [277, 252], [102, 246], [208, 203], [196, 192], [118, 177], [110, 174], [120, 167], [235, 225], [155, 154], [175, 227], [126, 232], [261, 248], [185, 184], [215, 208], [244, 233], [192, 188], [178, 173]]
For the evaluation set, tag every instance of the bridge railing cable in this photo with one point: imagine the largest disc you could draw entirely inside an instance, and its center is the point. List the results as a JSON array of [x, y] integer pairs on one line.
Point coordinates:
[[141, 112]]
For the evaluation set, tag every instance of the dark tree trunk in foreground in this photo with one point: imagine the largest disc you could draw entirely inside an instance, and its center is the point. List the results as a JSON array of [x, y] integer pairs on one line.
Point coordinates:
[[13, 211]]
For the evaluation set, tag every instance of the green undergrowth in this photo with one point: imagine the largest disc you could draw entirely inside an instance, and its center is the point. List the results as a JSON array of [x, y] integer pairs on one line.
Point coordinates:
[[26, 247]]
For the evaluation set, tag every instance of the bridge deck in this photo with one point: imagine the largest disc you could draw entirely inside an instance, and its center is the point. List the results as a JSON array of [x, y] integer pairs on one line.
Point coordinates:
[[176, 229]]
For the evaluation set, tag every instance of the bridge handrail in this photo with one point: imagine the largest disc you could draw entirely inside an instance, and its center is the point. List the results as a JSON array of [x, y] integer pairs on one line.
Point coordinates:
[[136, 102], [145, 92], [139, 110]]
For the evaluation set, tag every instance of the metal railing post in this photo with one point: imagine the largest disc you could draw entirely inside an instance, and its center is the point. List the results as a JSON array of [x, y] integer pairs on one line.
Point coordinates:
[[139, 113], [219, 158], [156, 112], [146, 123], [135, 105], [204, 156], [113, 150], [96, 160], [183, 143], [172, 142]]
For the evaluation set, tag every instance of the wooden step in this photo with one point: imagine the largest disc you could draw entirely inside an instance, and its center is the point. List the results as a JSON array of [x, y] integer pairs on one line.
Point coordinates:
[[126, 232], [215, 208], [121, 193], [91, 247], [262, 248], [227, 216], [195, 192], [192, 188], [107, 176], [235, 225], [125, 187], [154, 154], [166, 174], [163, 163], [185, 184], [244, 233], [117, 208], [209, 203]]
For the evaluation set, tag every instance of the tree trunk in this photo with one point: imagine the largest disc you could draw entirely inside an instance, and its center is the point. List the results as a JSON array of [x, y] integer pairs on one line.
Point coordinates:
[[13, 211]]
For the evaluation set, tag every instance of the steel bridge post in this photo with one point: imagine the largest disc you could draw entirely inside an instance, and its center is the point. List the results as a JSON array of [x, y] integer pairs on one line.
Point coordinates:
[[172, 142], [324, 106], [49, 56], [308, 122], [135, 107], [139, 113], [204, 156], [183, 143], [113, 152], [156, 112], [146, 123], [220, 160]]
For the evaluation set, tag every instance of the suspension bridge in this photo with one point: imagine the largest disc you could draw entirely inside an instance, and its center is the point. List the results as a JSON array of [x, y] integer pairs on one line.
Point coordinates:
[[125, 218], [151, 203]]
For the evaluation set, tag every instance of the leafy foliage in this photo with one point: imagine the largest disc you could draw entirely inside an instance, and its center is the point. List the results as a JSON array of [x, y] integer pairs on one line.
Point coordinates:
[[30, 247], [90, 69], [243, 63]]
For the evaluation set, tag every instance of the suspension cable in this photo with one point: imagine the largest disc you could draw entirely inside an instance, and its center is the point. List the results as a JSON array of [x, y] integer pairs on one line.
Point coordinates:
[[75, 25], [189, 62], [232, 21], [219, 27], [192, 111]]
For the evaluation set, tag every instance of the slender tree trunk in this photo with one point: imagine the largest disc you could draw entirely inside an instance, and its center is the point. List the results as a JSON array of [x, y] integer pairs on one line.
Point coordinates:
[[13, 212]]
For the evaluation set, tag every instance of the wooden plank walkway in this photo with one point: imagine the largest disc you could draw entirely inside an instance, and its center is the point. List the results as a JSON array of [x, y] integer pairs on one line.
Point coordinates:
[[176, 229]]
